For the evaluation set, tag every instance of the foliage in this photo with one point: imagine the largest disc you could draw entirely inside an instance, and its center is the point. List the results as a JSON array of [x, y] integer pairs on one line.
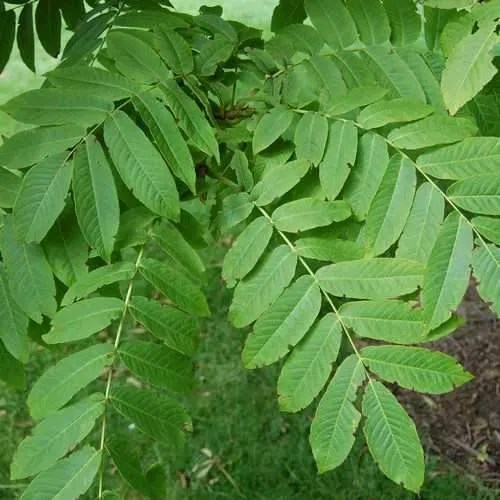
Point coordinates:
[[361, 209]]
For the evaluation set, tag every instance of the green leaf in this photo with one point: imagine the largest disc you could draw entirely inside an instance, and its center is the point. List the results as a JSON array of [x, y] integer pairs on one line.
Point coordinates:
[[355, 98], [392, 437], [388, 320], [415, 368], [55, 436], [308, 213], [302, 37], [479, 194], [284, 324], [247, 250], [432, 131], [486, 268], [26, 37], [68, 478], [167, 137], [371, 20], [97, 81], [83, 319], [405, 21], [450, 4], [31, 146], [41, 198], [435, 21], [177, 329], [278, 180], [328, 77], [12, 372], [489, 227], [50, 106], [423, 224], [140, 166], [191, 120], [154, 414], [391, 206], [48, 26], [287, 12], [13, 322], [254, 294], [173, 49], [10, 183], [239, 163], [135, 227], [376, 278], [333, 22], [270, 127], [7, 36], [213, 52], [307, 369], [311, 134], [158, 365], [469, 67], [447, 272], [235, 209], [102, 276], [336, 418], [327, 247], [397, 110], [27, 269], [340, 156], [371, 163], [67, 377], [471, 157], [96, 200], [176, 286]]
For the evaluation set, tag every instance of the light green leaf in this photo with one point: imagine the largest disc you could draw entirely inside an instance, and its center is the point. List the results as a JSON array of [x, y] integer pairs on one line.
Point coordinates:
[[307, 369], [340, 155], [308, 213], [63, 380], [397, 110], [140, 166], [415, 368], [284, 324], [388, 320], [82, 319], [173, 49], [239, 163], [71, 477], [469, 67], [450, 4], [489, 227], [167, 137], [377, 278], [432, 131], [302, 37], [56, 107], [247, 250], [423, 224], [176, 286], [479, 194], [356, 97], [371, 20], [177, 329], [12, 372], [327, 77], [392, 437], [270, 127], [391, 206], [55, 436], [405, 21], [311, 134], [327, 247], [213, 52], [235, 209], [254, 294], [27, 269], [41, 198], [367, 173], [336, 418], [447, 272], [471, 157], [278, 180], [31, 146], [486, 268], [10, 183], [158, 365]]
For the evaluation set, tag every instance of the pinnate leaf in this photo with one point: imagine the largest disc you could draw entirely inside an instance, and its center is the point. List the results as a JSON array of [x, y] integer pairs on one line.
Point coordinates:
[[311, 134], [486, 268], [479, 194]]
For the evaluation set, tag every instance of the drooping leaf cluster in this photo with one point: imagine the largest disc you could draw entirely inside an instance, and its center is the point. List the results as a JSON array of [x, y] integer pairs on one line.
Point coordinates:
[[349, 156]]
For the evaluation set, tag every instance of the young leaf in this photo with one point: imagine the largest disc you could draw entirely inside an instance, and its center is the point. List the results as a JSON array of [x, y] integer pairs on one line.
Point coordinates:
[[48, 26], [336, 418], [307, 369], [415, 368], [158, 365], [479, 194], [311, 134], [12, 372], [489, 227], [26, 37], [55, 436], [447, 272], [392, 437], [68, 478], [486, 268], [140, 166], [63, 380], [7, 36], [174, 49], [263, 286], [423, 225], [376, 278], [326, 247], [270, 127], [10, 183], [41, 198], [371, 20], [405, 21], [176, 286], [284, 324]]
